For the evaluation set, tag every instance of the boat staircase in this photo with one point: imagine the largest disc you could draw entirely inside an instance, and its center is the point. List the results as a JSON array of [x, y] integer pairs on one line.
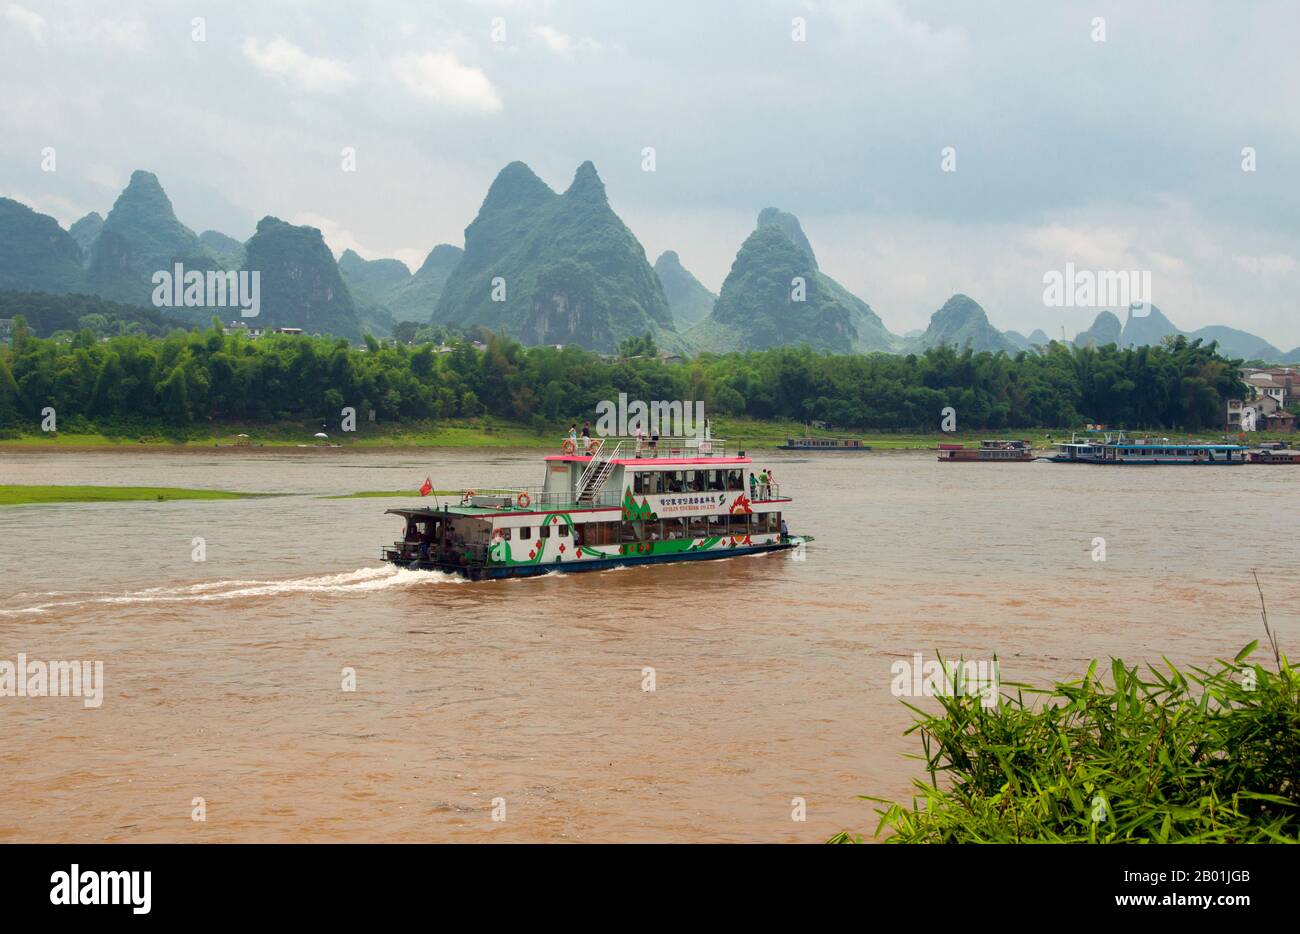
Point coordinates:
[[597, 473]]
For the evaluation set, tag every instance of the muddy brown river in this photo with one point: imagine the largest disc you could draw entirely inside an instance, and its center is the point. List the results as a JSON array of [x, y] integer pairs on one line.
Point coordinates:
[[524, 700]]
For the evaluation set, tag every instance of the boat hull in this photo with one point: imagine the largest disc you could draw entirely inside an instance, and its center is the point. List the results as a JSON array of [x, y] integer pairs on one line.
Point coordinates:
[[503, 571]]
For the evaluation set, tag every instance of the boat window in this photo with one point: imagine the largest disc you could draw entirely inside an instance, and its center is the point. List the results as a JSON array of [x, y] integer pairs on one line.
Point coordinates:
[[739, 523], [505, 533], [696, 478], [525, 533], [601, 533], [656, 481], [717, 526], [544, 532], [699, 527], [639, 483], [675, 482], [735, 481]]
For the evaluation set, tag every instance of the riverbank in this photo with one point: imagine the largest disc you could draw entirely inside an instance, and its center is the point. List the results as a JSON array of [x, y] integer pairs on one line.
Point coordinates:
[[23, 495], [744, 434]]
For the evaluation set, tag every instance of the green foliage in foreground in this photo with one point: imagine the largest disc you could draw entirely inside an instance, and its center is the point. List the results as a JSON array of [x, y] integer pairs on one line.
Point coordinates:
[[20, 495], [1200, 758]]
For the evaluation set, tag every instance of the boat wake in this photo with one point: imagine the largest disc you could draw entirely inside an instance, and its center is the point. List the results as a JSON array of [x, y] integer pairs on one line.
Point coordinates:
[[362, 580]]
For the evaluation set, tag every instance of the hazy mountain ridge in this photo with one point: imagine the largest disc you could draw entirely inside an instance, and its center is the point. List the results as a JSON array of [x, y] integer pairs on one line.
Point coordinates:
[[573, 273], [553, 268], [301, 285], [1105, 329], [416, 298], [141, 236], [84, 231], [36, 254], [760, 305], [689, 301], [962, 323]]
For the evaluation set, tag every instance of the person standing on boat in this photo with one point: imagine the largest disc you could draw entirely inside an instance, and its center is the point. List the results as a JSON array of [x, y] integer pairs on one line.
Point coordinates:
[[785, 531], [640, 438], [762, 484], [753, 486], [586, 436], [573, 434]]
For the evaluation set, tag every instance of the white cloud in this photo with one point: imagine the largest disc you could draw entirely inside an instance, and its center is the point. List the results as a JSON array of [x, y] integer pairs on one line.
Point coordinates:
[[33, 22], [337, 237], [411, 256], [282, 58], [440, 77], [563, 44], [124, 31]]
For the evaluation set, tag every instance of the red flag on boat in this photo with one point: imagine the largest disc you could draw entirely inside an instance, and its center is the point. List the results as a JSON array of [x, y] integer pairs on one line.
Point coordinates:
[[427, 488]]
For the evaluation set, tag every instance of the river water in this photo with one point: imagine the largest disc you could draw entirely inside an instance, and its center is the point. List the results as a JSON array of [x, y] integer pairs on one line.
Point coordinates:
[[772, 675]]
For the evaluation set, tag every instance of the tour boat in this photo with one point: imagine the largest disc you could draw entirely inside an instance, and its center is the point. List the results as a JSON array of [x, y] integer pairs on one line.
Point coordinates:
[[614, 502], [823, 444], [1115, 448], [993, 451], [1075, 451]]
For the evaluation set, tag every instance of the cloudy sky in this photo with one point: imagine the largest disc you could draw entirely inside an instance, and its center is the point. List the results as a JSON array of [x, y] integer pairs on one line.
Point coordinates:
[[1119, 154]]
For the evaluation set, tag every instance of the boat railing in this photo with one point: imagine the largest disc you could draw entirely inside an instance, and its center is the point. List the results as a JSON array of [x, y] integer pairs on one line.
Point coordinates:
[[629, 447], [534, 499]]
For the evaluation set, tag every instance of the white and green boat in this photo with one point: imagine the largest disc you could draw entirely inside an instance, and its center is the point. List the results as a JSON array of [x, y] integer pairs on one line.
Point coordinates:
[[616, 502]]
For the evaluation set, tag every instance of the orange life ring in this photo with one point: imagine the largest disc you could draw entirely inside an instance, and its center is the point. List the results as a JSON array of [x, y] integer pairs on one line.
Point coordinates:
[[569, 447], [524, 500]]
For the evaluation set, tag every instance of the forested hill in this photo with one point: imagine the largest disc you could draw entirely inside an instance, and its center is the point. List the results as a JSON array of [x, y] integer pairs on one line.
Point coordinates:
[[554, 268], [48, 314], [191, 377]]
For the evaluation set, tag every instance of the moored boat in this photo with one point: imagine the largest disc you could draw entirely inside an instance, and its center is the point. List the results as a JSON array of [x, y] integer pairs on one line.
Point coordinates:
[[990, 451], [1116, 448], [619, 502], [823, 444], [1273, 456]]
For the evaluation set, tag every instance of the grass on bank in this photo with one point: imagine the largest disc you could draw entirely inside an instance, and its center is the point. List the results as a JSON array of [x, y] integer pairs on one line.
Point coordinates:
[[366, 494], [740, 433], [21, 495], [1171, 757]]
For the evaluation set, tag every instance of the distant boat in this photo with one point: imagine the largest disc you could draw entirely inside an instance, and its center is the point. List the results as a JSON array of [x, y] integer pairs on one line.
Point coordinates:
[[1273, 456], [995, 451], [1115, 448], [823, 444]]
